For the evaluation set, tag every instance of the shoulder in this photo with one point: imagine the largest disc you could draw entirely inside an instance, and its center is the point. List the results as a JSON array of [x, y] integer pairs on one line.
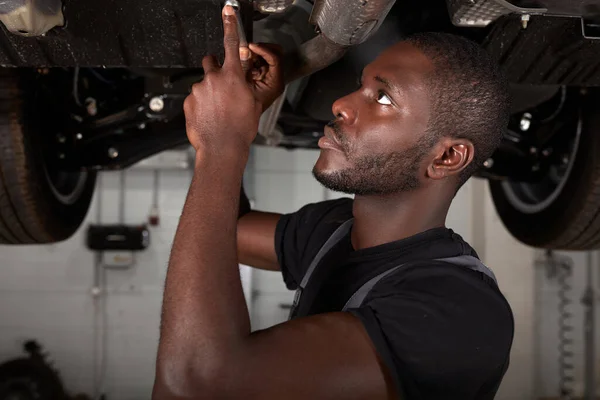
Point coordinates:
[[433, 321], [463, 293]]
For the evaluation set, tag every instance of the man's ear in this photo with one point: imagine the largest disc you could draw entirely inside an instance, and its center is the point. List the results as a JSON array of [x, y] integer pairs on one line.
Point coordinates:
[[452, 157]]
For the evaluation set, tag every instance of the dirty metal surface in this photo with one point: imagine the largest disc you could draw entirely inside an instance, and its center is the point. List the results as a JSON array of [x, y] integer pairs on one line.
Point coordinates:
[[552, 50], [132, 33]]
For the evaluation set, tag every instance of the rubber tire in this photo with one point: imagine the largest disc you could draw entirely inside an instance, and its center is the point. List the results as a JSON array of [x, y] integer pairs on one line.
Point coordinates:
[[48, 384], [572, 220], [29, 210]]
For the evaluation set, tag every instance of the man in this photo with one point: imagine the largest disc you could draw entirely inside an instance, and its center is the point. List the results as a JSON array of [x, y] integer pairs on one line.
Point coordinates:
[[428, 112]]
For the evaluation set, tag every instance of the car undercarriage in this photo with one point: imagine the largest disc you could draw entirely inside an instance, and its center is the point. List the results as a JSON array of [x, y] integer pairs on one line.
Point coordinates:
[[88, 86]]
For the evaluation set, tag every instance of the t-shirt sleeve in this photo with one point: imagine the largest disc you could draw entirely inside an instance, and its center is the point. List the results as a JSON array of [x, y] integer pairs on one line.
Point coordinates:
[[443, 334], [300, 235]]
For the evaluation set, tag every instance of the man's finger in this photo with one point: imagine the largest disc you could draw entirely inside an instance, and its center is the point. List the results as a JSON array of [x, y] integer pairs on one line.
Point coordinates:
[[231, 40], [245, 59], [210, 64], [268, 53]]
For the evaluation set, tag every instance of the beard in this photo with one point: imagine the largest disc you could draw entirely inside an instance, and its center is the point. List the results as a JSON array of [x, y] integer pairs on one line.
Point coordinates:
[[376, 174]]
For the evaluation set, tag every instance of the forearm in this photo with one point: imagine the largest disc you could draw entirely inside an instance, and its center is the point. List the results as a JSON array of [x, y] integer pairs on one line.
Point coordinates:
[[204, 310]]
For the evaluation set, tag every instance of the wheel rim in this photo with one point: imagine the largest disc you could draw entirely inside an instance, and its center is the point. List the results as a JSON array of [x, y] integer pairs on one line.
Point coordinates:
[[66, 186], [531, 198]]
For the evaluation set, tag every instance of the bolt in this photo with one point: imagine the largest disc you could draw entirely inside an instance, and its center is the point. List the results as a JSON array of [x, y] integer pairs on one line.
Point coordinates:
[[489, 163], [91, 106], [565, 160], [524, 20], [546, 152], [140, 108], [142, 126], [61, 156], [525, 122], [157, 104], [533, 150], [79, 136], [113, 153], [535, 168], [61, 138]]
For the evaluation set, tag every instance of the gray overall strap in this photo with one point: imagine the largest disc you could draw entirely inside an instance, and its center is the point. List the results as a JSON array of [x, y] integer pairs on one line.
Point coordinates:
[[473, 263], [470, 262], [332, 241]]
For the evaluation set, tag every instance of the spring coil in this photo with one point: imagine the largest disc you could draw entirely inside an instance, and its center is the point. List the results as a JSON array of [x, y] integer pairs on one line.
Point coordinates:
[[565, 328]]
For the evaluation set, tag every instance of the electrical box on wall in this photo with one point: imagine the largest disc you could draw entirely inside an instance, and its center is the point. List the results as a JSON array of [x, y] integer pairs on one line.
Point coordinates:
[[117, 237]]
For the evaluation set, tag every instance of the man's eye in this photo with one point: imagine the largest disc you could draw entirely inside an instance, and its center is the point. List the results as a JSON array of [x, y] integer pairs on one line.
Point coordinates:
[[383, 98]]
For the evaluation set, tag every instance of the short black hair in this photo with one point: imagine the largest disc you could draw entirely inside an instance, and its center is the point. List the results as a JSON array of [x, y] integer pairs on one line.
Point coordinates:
[[468, 93]]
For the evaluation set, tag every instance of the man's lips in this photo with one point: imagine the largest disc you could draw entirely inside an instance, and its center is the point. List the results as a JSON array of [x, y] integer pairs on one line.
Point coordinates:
[[328, 141]]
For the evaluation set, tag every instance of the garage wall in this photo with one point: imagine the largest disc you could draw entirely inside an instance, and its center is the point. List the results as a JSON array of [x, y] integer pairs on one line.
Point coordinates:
[[45, 290], [512, 263], [547, 305], [45, 293]]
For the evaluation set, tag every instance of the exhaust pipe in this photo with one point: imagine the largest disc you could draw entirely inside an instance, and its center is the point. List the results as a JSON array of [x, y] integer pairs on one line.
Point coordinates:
[[341, 24]]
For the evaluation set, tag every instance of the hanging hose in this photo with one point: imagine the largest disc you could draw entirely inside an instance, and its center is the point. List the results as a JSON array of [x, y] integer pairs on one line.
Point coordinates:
[[563, 268]]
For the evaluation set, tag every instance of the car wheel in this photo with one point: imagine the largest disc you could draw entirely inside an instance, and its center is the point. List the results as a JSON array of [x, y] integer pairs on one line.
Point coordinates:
[[39, 202], [562, 209]]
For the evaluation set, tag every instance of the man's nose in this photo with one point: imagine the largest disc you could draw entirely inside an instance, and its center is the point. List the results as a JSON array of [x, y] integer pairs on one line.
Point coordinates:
[[342, 109]]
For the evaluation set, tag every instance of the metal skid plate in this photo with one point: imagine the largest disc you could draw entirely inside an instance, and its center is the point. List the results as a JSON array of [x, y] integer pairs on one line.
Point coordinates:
[[551, 51], [132, 33], [480, 13]]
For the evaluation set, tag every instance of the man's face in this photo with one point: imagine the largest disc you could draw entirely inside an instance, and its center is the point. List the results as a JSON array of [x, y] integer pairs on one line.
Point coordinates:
[[376, 143]]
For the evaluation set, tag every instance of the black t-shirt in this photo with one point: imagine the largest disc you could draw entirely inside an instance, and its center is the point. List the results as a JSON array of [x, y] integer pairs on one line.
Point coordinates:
[[443, 330]]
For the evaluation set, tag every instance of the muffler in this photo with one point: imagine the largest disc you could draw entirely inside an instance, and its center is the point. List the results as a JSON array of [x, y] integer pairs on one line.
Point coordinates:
[[341, 24]]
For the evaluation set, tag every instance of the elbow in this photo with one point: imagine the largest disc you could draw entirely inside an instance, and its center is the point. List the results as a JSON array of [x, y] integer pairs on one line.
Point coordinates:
[[192, 380]]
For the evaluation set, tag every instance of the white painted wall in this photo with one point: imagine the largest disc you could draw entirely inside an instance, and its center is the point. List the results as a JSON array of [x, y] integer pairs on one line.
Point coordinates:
[[45, 294], [512, 263], [45, 290], [547, 382]]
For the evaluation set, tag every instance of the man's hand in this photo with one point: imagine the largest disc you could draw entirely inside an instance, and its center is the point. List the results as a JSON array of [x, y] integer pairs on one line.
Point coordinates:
[[267, 78], [223, 110]]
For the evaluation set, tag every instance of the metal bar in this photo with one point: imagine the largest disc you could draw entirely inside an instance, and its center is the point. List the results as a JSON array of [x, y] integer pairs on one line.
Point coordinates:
[[122, 197], [589, 320], [156, 189], [268, 121]]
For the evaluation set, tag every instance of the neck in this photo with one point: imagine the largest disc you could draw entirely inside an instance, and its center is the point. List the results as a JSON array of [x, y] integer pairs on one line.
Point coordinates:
[[383, 219]]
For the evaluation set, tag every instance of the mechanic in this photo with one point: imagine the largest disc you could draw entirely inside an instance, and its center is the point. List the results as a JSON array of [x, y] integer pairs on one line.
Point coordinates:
[[429, 111]]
